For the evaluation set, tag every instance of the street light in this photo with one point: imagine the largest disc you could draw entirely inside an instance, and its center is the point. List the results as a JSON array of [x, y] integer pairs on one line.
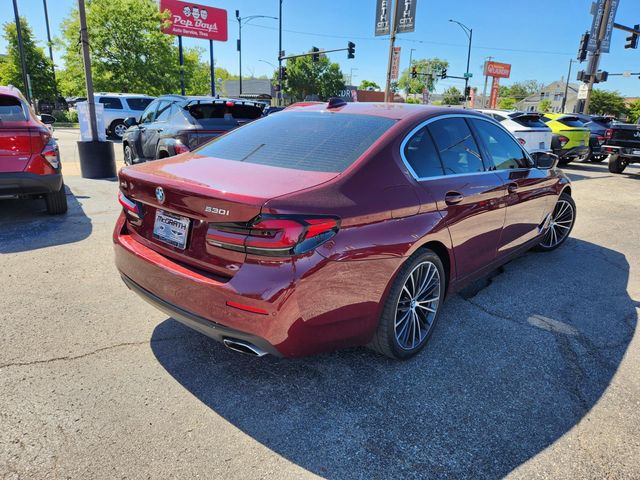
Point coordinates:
[[269, 63], [469, 33], [244, 21]]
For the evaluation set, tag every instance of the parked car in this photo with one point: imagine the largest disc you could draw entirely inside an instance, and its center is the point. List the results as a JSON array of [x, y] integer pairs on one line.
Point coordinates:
[[174, 124], [622, 144], [597, 125], [527, 127], [570, 137], [118, 107], [335, 225], [29, 158]]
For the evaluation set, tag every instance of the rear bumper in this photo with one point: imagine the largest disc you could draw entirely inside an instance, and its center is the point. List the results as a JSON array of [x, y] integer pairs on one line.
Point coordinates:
[[24, 183], [625, 152], [573, 153]]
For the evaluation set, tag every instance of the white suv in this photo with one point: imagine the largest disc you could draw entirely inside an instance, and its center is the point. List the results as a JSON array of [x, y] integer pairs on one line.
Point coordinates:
[[118, 107], [529, 130]]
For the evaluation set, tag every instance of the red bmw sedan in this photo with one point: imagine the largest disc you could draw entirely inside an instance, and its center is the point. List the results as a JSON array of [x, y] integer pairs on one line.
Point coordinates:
[[335, 225]]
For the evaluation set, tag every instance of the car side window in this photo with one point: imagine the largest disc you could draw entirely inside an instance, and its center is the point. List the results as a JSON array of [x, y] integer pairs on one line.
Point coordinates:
[[455, 144], [504, 151], [111, 103], [421, 154], [150, 113], [164, 111]]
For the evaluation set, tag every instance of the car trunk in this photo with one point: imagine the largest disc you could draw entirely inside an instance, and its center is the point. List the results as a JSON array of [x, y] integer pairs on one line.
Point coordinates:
[[200, 193], [535, 134], [626, 135], [16, 142]]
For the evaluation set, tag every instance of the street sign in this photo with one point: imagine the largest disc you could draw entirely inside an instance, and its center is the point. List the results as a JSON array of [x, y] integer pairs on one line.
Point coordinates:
[[595, 26], [497, 70], [382, 17], [191, 20], [406, 16], [582, 91], [467, 75], [395, 64]]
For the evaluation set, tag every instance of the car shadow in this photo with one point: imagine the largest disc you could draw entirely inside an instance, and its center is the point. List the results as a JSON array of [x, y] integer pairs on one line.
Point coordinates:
[[26, 225], [510, 368]]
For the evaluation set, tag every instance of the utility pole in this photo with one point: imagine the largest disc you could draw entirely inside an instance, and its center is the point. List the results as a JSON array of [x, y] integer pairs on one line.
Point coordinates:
[[411, 56], [392, 42], [594, 58], [566, 87], [53, 68], [280, 55], [239, 48], [23, 64]]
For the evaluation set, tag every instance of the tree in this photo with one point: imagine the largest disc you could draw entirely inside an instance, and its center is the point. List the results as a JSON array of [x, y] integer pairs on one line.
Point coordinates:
[[607, 103], [451, 96], [39, 66], [634, 111], [368, 85], [307, 78], [544, 105], [129, 53], [508, 103], [423, 65]]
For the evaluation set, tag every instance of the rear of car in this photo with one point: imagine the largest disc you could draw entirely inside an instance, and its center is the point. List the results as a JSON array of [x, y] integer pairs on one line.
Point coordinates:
[[622, 144], [118, 107], [527, 127], [201, 238], [29, 158], [570, 137]]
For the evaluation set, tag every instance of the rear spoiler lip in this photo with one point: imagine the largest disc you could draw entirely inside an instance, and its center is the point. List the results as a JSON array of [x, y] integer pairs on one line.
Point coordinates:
[[537, 130], [515, 115]]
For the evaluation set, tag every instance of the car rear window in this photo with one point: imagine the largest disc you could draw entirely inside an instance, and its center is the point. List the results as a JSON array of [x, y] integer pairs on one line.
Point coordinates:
[[530, 121], [11, 109], [206, 111], [571, 122], [139, 103], [311, 141]]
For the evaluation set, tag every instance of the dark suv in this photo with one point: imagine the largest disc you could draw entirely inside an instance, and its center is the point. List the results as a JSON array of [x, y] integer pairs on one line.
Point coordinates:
[[174, 124], [597, 125], [29, 159]]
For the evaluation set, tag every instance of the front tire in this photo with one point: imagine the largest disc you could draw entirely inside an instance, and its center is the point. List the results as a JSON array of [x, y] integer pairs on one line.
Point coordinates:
[[412, 307], [117, 129], [563, 218], [56, 202], [129, 157], [616, 164]]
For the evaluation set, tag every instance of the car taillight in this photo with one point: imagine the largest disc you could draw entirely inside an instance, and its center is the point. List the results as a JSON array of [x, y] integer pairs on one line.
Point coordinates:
[[51, 154], [181, 148], [129, 205], [279, 235], [521, 141], [608, 133], [563, 140], [601, 139]]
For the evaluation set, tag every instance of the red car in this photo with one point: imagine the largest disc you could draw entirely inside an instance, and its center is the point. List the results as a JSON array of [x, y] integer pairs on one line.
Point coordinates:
[[335, 225], [29, 159]]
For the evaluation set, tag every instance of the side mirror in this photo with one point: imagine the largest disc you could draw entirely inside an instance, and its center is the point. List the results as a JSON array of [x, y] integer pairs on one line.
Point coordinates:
[[47, 119], [544, 160], [130, 121]]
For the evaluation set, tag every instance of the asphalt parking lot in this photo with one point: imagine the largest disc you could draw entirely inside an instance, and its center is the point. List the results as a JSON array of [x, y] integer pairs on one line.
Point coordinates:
[[533, 373]]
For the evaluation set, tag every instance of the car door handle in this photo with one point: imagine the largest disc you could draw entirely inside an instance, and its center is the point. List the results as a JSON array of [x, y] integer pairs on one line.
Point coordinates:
[[451, 198], [512, 187]]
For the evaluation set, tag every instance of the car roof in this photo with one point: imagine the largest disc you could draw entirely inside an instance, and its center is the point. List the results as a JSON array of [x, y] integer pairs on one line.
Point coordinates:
[[133, 95], [396, 111], [10, 90]]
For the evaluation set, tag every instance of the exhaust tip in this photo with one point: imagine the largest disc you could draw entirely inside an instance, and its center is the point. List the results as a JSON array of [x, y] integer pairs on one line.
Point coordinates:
[[241, 346]]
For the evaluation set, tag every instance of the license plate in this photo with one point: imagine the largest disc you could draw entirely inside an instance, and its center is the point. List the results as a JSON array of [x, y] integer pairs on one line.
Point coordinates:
[[170, 228]]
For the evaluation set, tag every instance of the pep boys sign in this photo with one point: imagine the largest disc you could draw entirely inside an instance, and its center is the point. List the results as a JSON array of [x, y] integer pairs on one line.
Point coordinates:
[[192, 20]]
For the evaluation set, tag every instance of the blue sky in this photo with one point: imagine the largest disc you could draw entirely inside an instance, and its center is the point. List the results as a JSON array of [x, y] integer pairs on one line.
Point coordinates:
[[537, 38]]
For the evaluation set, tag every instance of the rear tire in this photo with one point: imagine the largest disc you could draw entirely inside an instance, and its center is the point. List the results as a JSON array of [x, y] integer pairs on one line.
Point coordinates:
[[412, 307], [616, 164], [117, 129], [56, 202]]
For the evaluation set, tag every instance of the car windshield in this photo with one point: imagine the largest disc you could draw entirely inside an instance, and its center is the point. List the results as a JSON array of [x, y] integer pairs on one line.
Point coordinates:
[[11, 109], [312, 141], [139, 103], [531, 121]]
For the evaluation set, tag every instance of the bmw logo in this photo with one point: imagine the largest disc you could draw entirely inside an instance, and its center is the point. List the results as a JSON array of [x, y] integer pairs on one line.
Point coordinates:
[[160, 194]]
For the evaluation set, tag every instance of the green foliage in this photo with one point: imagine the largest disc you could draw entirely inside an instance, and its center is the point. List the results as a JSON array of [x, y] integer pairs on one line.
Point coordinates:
[[508, 103], [38, 64], [544, 105], [423, 65], [63, 116], [520, 90], [451, 96], [306, 77], [368, 85], [607, 103], [634, 111], [413, 100]]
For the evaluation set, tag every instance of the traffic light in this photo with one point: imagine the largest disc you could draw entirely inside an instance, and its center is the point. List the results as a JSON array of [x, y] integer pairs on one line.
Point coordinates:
[[601, 76], [582, 49], [414, 72], [283, 73], [582, 76], [443, 73], [316, 56], [351, 50], [467, 92], [632, 40]]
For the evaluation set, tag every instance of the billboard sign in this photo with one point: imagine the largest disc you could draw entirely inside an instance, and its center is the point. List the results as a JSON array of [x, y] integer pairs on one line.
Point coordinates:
[[191, 20], [406, 16], [395, 64], [495, 89], [497, 70], [382, 17]]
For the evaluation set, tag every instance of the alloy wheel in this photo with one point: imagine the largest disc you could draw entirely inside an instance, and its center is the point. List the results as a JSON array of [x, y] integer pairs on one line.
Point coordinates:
[[119, 130], [561, 223], [417, 305]]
